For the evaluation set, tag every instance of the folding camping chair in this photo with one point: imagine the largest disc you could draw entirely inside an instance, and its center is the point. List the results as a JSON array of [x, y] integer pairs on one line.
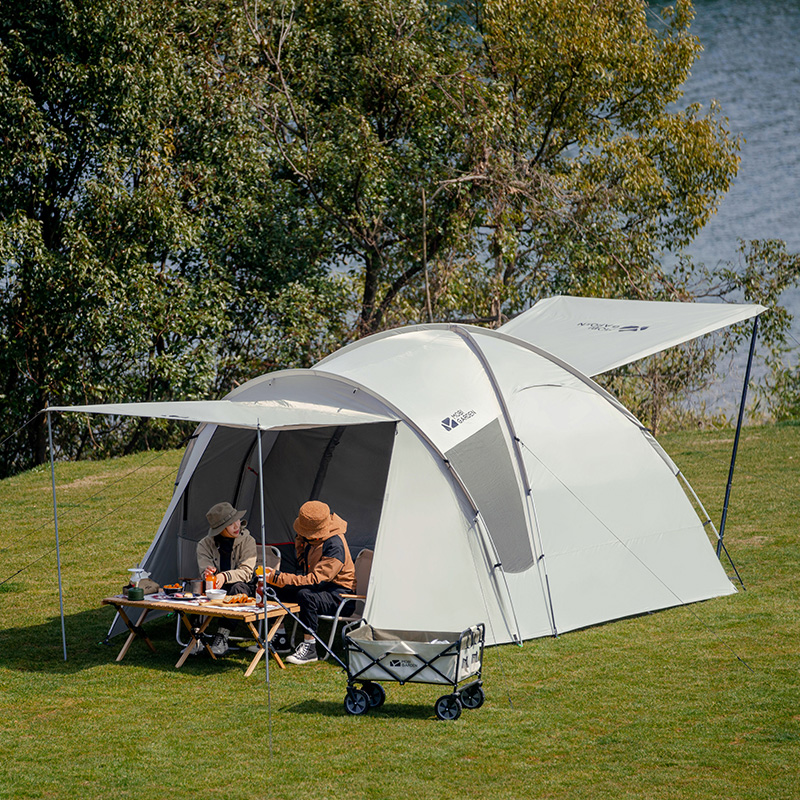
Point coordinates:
[[363, 567]]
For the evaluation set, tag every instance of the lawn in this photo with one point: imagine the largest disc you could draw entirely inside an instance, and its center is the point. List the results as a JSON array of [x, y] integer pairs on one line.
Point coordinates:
[[693, 702]]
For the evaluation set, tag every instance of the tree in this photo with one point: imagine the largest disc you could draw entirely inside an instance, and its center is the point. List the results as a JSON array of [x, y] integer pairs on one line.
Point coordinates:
[[359, 99], [134, 185], [96, 225], [505, 149], [656, 389], [192, 194]]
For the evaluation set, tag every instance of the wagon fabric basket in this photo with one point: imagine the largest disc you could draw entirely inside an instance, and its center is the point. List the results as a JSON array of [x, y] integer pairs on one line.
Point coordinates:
[[437, 657]]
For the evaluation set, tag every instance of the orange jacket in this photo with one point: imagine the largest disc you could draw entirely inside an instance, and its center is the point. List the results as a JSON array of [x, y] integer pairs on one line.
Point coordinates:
[[324, 558]]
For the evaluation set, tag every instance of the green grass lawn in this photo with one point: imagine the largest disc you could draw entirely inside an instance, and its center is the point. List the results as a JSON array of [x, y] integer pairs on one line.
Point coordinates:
[[693, 702]]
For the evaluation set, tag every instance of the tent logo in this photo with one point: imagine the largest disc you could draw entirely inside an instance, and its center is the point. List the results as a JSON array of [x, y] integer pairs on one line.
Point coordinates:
[[456, 418], [607, 327]]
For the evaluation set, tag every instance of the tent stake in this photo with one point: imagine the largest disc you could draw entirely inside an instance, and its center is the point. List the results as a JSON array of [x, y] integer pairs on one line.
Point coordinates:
[[55, 523], [736, 438]]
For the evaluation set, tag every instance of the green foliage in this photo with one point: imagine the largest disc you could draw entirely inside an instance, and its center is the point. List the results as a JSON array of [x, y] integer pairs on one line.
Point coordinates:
[[358, 99], [763, 274], [133, 191], [485, 154]]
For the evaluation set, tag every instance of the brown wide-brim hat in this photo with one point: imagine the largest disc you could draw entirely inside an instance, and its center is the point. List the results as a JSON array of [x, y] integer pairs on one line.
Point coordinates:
[[314, 519], [220, 516]]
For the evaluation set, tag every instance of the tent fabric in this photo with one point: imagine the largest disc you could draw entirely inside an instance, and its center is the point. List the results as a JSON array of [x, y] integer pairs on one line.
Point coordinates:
[[264, 414], [494, 481], [601, 499], [599, 334]]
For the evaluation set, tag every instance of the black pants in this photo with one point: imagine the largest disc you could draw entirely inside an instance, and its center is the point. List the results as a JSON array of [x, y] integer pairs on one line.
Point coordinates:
[[322, 598]]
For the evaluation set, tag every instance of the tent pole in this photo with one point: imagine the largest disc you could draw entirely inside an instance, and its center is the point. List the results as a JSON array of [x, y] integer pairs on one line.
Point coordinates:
[[333, 443], [264, 569], [736, 438], [55, 523], [530, 505]]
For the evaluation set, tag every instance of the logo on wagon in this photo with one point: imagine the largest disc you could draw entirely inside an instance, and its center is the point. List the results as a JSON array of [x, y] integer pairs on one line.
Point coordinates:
[[402, 663], [456, 418]]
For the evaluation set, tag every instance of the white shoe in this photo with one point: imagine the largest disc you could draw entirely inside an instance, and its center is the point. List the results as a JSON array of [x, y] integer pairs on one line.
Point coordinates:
[[306, 653]]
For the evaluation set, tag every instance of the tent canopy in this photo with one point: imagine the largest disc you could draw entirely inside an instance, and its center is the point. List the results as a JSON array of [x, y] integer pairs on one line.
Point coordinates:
[[261, 414], [597, 334]]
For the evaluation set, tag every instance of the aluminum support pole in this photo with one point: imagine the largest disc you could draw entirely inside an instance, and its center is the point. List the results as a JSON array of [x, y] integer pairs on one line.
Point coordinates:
[[55, 523], [736, 438]]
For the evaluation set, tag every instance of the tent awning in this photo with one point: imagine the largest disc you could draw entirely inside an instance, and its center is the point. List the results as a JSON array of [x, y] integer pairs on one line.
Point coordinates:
[[597, 334], [265, 415]]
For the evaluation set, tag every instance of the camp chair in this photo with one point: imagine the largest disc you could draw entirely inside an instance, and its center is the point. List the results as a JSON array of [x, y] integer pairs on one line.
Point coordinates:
[[363, 567]]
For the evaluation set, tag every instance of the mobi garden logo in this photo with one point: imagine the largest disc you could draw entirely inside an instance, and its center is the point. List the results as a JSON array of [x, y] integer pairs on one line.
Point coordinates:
[[603, 327], [456, 418]]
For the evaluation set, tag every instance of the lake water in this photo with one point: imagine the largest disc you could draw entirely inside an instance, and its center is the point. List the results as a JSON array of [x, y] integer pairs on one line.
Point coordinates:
[[751, 65]]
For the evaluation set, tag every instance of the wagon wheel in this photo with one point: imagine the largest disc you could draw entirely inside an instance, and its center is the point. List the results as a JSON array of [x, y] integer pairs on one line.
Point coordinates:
[[356, 701], [472, 696], [376, 694], [448, 707]]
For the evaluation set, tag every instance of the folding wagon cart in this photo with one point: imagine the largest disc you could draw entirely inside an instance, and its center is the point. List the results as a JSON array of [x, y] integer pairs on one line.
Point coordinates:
[[375, 655]]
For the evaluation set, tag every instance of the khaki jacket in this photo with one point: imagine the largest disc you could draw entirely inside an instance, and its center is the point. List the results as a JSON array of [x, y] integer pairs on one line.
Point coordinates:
[[243, 557]]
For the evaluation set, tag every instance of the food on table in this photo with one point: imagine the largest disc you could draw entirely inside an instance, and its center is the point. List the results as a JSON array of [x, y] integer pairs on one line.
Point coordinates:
[[237, 599]]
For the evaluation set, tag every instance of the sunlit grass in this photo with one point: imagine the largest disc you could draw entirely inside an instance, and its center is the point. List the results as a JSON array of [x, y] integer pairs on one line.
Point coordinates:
[[693, 702]]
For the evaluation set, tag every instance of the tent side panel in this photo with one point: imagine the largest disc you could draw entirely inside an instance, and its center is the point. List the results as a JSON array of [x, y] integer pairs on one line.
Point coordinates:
[[620, 536], [429, 570]]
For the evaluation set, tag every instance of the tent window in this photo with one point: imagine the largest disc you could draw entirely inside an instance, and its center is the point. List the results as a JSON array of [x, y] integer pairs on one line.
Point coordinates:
[[483, 462]]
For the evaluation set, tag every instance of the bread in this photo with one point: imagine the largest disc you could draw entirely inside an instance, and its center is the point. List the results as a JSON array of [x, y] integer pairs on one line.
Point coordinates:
[[237, 599]]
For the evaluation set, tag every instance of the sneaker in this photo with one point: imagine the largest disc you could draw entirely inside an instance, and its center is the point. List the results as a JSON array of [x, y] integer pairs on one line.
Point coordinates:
[[281, 642], [306, 653], [197, 649], [219, 644]]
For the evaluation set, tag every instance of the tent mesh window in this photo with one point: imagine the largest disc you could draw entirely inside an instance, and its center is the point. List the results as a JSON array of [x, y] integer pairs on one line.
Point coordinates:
[[484, 464]]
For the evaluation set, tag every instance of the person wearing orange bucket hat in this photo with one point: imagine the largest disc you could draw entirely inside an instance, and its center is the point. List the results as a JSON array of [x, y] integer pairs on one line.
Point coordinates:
[[326, 572]]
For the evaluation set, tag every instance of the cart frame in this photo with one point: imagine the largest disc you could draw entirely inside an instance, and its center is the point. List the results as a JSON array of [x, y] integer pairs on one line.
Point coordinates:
[[461, 656]]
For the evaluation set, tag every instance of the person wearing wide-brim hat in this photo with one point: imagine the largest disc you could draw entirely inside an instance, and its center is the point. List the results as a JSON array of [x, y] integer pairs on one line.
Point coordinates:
[[228, 555], [326, 572]]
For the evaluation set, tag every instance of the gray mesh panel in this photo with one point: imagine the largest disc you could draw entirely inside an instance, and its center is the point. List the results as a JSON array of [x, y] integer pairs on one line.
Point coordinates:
[[484, 464]]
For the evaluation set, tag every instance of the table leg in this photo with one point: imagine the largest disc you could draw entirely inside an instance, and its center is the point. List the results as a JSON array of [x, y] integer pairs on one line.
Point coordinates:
[[264, 643], [194, 634], [136, 630]]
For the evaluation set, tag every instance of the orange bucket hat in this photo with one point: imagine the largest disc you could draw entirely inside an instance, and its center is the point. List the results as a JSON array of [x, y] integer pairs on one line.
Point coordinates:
[[313, 519]]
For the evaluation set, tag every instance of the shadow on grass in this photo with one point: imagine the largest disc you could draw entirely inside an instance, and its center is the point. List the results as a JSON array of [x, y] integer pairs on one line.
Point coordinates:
[[388, 710], [39, 648]]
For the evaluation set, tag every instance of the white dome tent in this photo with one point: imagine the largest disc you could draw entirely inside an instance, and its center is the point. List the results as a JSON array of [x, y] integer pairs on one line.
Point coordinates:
[[495, 481]]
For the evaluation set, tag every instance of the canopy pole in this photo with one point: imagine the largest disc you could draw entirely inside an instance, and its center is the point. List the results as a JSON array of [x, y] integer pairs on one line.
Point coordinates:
[[264, 574], [736, 438], [55, 523]]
